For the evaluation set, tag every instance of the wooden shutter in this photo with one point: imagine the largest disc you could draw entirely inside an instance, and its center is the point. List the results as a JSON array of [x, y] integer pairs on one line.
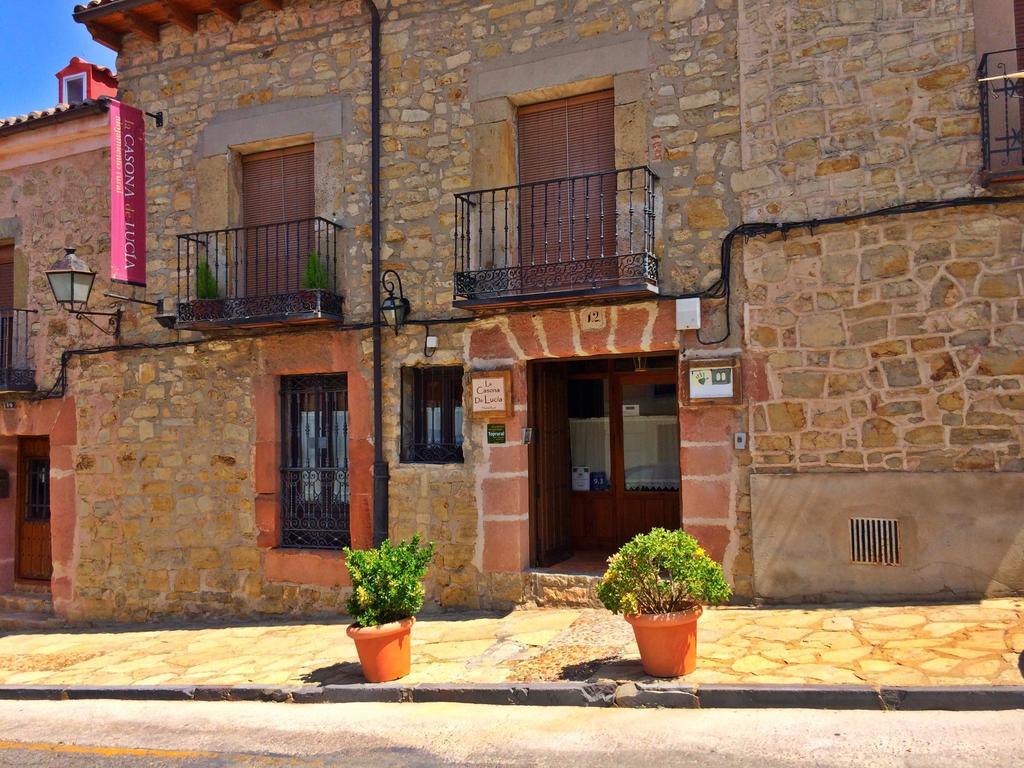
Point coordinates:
[[564, 220], [7, 276], [8, 326], [278, 205]]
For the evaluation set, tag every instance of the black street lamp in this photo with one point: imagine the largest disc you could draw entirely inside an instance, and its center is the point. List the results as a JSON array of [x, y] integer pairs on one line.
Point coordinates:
[[71, 283], [395, 307]]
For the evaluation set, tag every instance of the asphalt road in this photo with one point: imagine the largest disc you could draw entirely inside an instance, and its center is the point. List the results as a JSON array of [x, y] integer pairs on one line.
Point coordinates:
[[115, 733]]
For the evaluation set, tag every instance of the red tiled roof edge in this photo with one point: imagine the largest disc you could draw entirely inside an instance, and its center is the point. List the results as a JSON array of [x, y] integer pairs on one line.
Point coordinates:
[[58, 114]]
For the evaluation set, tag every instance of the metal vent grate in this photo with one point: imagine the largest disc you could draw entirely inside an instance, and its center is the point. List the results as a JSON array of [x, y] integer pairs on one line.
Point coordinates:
[[875, 541]]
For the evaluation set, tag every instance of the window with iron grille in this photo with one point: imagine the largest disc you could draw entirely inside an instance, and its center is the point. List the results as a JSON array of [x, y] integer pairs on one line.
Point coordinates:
[[432, 414], [314, 470], [37, 496]]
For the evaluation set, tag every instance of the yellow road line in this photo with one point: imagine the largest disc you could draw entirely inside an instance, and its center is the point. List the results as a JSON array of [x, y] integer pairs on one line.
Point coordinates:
[[173, 754]]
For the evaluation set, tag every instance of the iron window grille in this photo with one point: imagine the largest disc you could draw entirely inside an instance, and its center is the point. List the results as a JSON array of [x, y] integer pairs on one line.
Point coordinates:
[[432, 415], [37, 497], [314, 472]]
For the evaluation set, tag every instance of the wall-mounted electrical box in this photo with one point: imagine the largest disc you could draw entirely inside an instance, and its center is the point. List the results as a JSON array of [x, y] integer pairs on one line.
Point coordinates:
[[687, 314]]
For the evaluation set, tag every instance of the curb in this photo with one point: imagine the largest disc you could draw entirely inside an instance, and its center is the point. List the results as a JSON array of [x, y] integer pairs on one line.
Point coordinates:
[[565, 694]]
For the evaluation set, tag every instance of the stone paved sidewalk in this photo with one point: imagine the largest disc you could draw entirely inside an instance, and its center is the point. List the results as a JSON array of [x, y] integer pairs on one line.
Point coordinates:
[[949, 644]]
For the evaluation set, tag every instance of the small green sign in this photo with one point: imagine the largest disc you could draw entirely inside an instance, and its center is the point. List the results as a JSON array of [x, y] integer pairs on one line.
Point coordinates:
[[495, 434]]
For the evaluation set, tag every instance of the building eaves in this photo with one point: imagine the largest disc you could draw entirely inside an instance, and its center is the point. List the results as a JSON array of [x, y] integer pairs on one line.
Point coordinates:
[[52, 116]]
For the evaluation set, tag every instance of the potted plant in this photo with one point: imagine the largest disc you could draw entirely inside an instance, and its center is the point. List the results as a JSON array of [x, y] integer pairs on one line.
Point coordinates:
[[387, 591], [659, 581], [208, 304]]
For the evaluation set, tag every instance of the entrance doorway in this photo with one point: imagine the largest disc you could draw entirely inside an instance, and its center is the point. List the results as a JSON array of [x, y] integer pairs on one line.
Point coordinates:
[[33, 560], [604, 458]]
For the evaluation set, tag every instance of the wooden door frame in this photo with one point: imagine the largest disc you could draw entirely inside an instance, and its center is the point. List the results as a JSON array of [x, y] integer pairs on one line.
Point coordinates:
[[21, 498], [617, 469]]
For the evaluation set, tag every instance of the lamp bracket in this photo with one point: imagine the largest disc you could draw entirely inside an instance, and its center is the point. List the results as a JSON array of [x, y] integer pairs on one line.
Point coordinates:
[[113, 323], [158, 118]]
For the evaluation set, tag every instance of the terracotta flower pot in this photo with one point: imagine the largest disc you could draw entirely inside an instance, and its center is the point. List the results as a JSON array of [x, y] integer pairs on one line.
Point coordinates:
[[384, 651], [667, 641]]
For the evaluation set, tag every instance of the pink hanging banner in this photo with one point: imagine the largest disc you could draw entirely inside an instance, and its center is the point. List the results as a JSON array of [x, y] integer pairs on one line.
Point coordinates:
[[127, 194]]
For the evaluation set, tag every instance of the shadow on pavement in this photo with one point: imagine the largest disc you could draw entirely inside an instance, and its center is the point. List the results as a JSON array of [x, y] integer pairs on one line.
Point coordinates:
[[342, 673], [609, 666]]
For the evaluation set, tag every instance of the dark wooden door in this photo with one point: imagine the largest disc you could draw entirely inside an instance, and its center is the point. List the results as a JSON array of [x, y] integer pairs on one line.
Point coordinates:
[[33, 521], [278, 202], [549, 463]]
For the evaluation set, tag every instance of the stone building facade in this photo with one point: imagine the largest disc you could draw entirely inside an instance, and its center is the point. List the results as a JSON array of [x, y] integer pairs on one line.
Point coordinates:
[[879, 358]]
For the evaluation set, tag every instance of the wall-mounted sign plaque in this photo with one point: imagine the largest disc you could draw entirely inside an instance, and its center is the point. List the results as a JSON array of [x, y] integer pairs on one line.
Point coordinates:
[[490, 393], [495, 434], [712, 381]]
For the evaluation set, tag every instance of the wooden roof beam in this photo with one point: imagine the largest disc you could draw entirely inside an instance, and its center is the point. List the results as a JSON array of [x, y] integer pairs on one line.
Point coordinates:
[[106, 36], [143, 26], [274, 5], [181, 16], [227, 9]]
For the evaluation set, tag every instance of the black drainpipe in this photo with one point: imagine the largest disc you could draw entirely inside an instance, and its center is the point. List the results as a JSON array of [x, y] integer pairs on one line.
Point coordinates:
[[380, 466]]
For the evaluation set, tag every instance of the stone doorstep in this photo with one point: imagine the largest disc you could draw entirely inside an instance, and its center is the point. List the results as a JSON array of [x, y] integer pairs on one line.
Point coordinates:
[[28, 609], [566, 694]]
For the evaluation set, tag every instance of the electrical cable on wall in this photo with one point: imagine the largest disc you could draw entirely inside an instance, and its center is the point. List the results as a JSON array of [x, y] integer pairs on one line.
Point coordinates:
[[720, 289]]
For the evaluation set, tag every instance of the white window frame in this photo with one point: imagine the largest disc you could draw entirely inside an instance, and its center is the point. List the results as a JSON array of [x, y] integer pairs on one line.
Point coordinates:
[[74, 78]]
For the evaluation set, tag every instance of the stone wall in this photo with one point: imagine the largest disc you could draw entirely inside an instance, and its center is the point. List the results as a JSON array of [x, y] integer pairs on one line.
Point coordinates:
[[891, 344], [173, 472], [435, 57], [896, 344], [677, 110], [44, 208], [855, 105]]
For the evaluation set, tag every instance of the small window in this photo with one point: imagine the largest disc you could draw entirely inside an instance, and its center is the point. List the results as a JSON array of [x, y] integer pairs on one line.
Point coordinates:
[[314, 451], [432, 415], [74, 89]]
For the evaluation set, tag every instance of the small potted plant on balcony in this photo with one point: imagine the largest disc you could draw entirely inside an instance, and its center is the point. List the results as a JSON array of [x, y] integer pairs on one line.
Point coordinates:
[[659, 581], [387, 592], [315, 279], [208, 304]]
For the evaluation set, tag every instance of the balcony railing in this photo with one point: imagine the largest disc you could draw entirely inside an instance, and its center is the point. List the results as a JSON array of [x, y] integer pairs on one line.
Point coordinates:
[[262, 275], [562, 238], [1001, 90], [17, 373]]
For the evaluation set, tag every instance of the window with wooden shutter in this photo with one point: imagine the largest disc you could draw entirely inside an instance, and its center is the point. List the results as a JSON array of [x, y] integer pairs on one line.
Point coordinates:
[[6, 276], [8, 318], [278, 205], [567, 159]]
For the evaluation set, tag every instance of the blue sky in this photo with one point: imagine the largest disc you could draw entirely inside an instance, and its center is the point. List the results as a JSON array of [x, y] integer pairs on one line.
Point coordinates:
[[39, 37]]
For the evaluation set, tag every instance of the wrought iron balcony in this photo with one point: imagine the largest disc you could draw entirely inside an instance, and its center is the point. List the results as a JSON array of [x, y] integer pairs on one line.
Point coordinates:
[[1001, 90], [17, 373], [263, 275], [586, 235]]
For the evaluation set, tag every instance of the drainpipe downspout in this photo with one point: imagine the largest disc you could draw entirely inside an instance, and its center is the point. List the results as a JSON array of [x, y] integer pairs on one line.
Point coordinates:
[[380, 465]]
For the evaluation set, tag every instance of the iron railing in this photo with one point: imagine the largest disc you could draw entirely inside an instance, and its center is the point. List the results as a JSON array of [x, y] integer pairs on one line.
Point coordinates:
[[269, 271], [589, 232], [1001, 91], [17, 373]]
